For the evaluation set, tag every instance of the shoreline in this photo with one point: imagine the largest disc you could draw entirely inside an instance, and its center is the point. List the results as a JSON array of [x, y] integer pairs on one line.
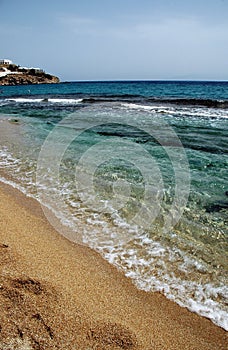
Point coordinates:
[[62, 295]]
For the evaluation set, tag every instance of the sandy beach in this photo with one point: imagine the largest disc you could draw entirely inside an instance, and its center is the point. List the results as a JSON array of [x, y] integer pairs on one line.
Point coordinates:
[[58, 295]]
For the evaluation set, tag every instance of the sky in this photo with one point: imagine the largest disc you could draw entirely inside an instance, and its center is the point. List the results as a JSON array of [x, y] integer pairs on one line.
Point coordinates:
[[118, 39]]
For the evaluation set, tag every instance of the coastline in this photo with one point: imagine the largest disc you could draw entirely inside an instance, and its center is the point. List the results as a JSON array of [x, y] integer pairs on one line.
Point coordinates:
[[12, 74], [60, 295]]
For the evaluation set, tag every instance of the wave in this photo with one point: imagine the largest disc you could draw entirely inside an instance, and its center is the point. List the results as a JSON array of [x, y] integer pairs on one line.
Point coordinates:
[[148, 261], [201, 298], [222, 104], [179, 111], [193, 102], [64, 101], [127, 98]]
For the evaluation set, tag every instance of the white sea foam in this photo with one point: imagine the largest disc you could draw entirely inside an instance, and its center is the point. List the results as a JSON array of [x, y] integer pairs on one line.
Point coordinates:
[[152, 274], [65, 100], [24, 100], [150, 264], [179, 111]]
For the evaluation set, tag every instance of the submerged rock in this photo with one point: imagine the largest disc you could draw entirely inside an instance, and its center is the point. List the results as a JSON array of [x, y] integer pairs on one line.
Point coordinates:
[[14, 121], [215, 207]]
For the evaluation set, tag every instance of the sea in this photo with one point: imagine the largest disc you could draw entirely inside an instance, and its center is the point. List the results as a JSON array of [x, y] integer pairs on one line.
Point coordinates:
[[136, 170]]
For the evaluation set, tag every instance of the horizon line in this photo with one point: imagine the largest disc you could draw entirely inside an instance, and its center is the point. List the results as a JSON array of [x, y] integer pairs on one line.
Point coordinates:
[[135, 80]]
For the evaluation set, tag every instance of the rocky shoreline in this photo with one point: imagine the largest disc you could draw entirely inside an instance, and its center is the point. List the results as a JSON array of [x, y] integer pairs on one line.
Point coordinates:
[[15, 75]]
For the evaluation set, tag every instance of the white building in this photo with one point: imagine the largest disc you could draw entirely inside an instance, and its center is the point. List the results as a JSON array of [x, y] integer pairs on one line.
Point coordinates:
[[37, 70], [5, 61]]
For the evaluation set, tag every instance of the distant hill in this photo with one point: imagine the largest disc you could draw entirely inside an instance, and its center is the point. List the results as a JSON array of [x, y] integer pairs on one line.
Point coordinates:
[[12, 74]]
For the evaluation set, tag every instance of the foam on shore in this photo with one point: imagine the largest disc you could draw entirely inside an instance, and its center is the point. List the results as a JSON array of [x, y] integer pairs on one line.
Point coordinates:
[[58, 280]]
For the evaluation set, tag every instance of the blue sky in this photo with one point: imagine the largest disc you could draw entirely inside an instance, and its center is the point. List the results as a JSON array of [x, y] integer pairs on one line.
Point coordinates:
[[118, 39]]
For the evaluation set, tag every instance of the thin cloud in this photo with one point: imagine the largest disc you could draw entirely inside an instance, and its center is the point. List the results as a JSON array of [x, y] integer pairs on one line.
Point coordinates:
[[79, 25], [121, 40]]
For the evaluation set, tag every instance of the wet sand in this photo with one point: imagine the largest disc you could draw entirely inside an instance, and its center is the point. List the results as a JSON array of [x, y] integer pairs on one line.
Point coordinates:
[[55, 294]]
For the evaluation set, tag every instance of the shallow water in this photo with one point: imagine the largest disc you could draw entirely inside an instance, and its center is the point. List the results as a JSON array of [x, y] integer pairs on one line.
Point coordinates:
[[137, 170]]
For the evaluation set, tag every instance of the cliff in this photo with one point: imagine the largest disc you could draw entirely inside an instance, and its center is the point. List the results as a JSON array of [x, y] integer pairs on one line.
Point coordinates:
[[16, 75]]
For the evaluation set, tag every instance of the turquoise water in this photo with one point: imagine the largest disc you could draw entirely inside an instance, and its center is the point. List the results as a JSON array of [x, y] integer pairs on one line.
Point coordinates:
[[135, 170]]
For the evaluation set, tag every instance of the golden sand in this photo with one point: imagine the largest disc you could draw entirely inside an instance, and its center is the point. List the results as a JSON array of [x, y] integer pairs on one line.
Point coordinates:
[[55, 294]]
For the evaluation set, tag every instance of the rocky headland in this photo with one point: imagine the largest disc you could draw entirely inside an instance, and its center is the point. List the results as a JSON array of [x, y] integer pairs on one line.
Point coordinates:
[[13, 74]]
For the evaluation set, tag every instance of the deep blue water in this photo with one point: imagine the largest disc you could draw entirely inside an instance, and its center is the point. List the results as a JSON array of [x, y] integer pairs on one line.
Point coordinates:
[[180, 89]]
